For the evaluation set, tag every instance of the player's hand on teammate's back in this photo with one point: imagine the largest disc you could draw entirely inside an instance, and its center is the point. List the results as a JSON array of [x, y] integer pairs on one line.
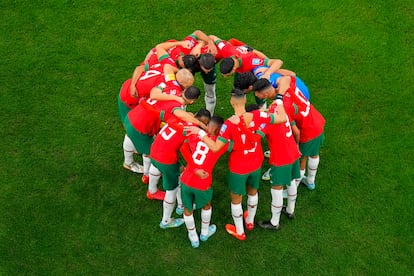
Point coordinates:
[[201, 173]]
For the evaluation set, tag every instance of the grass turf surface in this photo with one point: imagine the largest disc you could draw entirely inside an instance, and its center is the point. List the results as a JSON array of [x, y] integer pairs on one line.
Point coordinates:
[[68, 206]]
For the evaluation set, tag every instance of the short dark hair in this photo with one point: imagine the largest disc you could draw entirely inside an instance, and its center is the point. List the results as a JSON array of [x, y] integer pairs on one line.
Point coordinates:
[[207, 61], [203, 113], [226, 65], [261, 85], [192, 93], [252, 107], [237, 93], [190, 63], [244, 80], [217, 120]]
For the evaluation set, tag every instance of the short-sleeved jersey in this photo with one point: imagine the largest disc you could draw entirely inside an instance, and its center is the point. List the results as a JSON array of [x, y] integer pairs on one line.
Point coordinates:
[[126, 97], [245, 156], [167, 143], [224, 50], [153, 76], [282, 145], [199, 156], [249, 60], [148, 115], [177, 51], [275, 76], [309, 121]]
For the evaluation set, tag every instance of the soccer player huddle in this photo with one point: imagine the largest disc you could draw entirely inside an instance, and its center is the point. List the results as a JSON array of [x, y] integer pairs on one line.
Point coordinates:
[[183, 148]]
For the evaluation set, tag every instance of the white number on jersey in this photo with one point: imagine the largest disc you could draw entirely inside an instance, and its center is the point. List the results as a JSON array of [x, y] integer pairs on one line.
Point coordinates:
[[200, 154], [167, 132], [149, 74], [302, 98], [287, 124]]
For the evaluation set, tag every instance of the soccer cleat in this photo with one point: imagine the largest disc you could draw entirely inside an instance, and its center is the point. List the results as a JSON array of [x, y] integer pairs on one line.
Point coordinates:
[[266, 175], [158, 195], [134, 167], [289, 215], [195, 243], [268, 225], [310, 186], [179, 211], [172, 224], [231, 229], [284, 193], [145, 179], [249, 226], [267, 153], [211, 230]]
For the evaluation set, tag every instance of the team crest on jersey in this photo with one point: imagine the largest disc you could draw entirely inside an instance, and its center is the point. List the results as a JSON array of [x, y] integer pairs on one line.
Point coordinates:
[[176, 83], [262, 125], [256, 61]]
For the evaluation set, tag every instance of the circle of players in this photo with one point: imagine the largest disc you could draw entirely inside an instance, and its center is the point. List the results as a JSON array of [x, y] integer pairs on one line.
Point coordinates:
[[183, 147]]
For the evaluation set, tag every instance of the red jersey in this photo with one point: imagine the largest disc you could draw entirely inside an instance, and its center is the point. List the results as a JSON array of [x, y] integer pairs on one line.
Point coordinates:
[[283, 148], [249, 60], [224, 50], [199, 156], [148, 115], [153, 76], [310, 122], [246, 156], [126, 97], [167, 143], [177, 51]]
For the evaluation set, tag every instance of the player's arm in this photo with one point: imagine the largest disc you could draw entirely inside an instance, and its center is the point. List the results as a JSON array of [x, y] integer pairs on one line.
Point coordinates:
[[135, 76], [208, 40], [196, 51], [214, 146], [285, 72], [259, 54], [283, 84], [162, 48], [156, 92], [274, 65], [188, 117]]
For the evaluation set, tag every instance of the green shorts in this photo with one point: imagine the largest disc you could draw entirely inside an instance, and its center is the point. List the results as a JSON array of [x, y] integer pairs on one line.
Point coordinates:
[[123, 109], [170, 174], [141, 141], [210, 77], [191, 196], [311, 148], [237, 182], [283, 175]]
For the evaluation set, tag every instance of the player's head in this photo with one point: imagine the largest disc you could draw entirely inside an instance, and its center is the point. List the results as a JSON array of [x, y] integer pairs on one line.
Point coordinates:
[[189, 62], [263, 89], [213, 127], [237, 98], [191, 94], [203, 115], [184, 78], [207, 62], [252, 107], [227, 66], [245, 81]]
